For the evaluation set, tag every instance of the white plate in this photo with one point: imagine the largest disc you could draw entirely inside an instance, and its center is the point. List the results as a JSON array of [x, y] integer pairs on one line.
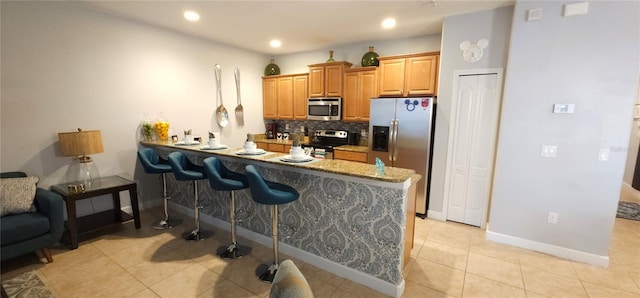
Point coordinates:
[[257, 152], [219, 147], [288, 158], [182, 143]]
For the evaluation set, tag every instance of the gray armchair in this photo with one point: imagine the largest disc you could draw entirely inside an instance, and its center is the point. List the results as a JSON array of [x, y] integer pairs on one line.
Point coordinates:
[[32, 231]]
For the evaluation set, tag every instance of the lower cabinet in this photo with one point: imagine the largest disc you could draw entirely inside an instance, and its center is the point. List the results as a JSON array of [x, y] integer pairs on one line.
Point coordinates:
[[350, 155], [273, 147], [263, 146]]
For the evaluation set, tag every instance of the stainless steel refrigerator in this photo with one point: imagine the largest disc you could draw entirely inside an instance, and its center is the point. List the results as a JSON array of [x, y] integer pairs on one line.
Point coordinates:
[[401, 135]]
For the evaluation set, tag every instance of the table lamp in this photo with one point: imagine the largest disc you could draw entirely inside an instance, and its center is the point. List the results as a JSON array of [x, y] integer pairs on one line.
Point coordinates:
[[80, 144]]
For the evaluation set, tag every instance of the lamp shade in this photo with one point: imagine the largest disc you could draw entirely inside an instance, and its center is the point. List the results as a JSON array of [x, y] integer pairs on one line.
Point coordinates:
[[81, 142]]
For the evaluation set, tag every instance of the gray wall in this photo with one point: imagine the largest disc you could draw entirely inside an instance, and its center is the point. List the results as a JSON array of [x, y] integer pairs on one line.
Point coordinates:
[[592, 61], [297, 63], [494, 25], [65, 66]]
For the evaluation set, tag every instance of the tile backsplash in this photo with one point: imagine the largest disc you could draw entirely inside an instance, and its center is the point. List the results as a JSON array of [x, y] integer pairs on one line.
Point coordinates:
[[310, 126]]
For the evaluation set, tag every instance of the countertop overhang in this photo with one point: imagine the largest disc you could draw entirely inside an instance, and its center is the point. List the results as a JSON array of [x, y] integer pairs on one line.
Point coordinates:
[[341, 167]]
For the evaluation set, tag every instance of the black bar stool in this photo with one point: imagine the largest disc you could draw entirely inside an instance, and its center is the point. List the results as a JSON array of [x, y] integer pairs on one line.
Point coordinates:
[[153, 164], [223, 179], [274, 194], [184, 170]]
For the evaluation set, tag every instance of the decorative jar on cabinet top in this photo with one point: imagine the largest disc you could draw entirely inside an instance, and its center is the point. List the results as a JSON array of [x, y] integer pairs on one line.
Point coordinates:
[[272, 69], [370, 58], [331, 57]]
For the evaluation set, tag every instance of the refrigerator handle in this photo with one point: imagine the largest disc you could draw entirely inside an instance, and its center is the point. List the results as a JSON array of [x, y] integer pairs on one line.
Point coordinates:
[[395, 140], [390, 145]]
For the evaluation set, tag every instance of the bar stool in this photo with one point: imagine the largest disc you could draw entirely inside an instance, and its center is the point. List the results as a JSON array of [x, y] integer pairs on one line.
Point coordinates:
[[274, 194], [223, 179], [184, 170], [153, 164]]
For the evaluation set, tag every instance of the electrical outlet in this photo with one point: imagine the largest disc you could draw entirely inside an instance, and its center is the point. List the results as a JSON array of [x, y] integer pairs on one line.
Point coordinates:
[[552, 218], [286, 126], [549, 151]]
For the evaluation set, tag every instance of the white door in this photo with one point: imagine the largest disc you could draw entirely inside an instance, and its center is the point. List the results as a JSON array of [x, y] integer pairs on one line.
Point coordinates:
[[472, 145]]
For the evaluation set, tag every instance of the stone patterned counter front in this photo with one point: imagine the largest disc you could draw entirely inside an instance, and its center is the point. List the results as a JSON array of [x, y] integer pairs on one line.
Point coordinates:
[[351, 221]]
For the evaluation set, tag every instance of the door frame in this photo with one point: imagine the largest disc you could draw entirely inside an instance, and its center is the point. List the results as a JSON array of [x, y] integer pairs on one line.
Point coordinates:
[[454, 108]]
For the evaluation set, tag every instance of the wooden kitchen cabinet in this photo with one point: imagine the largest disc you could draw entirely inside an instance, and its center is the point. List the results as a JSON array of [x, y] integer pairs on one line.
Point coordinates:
[[285, 98], [325, 79], [300, 96], [275, 147], [360, 85], [350, 155], [408, 75], [281, 95], [262, 145], [269, 98], [281, 148]]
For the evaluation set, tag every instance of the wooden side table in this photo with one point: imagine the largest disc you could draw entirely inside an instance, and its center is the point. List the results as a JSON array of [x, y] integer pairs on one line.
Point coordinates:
[[106, 185]]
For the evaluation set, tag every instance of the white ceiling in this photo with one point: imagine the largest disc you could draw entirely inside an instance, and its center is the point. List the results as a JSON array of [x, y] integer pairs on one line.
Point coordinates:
[[300, 25]]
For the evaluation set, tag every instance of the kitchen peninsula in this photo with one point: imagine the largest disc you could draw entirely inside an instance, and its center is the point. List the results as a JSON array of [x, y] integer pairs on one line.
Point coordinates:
[[349, 220]]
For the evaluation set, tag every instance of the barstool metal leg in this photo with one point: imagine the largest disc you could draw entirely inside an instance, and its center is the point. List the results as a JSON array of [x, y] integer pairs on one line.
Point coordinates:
[[167, 222], [268, 275], [196, 234], [234, 250]]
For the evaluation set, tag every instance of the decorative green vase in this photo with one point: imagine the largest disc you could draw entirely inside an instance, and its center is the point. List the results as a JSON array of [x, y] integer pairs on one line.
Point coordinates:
[[272, 69], [370, 58], [331, 57]]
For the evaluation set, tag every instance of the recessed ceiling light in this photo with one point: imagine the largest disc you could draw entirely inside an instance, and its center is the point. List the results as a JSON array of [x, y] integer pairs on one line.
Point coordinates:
[[275, 43], [191, 15], [389, 23]]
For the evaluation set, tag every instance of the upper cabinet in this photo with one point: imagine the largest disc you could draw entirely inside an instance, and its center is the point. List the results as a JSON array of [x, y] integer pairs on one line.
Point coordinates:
[[325, 79], [269, 97], [300, 95], [408, 75], [284, 97], [360, 85]]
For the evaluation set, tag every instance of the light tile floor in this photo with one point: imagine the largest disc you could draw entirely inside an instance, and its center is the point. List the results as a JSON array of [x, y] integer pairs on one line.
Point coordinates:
[[448, 260]]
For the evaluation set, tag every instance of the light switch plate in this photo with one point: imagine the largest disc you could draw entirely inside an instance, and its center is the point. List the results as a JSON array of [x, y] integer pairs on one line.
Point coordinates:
[[564, 108], [534, 14], [574, 9], [603, 155]]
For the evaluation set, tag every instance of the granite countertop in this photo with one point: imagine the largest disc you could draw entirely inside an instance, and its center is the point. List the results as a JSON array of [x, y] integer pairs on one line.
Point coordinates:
[[342, 167]]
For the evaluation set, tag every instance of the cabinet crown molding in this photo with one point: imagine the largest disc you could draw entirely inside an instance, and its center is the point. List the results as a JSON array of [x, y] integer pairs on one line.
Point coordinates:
[[285, 75], [345, 63], [409, 55]]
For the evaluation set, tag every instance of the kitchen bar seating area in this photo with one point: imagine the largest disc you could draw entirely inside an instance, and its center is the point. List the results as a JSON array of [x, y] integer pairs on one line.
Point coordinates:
[[418, 155], [353, 218]]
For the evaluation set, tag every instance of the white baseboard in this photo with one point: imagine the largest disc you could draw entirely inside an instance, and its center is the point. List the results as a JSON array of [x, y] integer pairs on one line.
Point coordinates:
[[436, 215], [143, 206], [377, 284], [558, 251]]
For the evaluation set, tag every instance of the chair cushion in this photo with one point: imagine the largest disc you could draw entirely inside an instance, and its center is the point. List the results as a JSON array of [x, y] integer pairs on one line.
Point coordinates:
[[20, 227], [16, 194], [289, 282]]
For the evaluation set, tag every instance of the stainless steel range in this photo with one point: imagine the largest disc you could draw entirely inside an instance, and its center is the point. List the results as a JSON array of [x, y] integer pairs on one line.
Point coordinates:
[[323, 142]]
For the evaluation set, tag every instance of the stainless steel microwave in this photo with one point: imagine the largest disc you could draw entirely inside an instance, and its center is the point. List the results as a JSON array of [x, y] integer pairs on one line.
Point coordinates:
[[325, 108]]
